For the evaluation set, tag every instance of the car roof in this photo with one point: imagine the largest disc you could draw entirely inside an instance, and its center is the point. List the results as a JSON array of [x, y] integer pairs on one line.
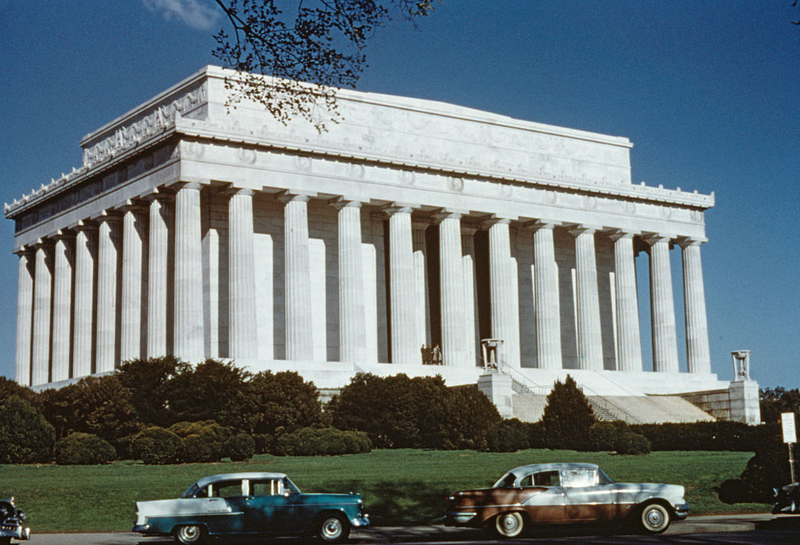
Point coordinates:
[[533, 468], [238, 476]]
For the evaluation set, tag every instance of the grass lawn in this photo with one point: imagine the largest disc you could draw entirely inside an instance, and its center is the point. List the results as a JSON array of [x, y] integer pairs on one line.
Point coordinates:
[[399, 486]]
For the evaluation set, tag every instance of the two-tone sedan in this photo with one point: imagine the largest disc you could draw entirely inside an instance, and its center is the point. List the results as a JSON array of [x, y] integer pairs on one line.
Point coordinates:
[[250, 504], [562, 494]]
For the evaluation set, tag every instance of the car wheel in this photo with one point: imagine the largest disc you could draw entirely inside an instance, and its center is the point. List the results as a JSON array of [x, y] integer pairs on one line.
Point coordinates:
[[509, 524], [654, 518], [190, 535], [333, 529]]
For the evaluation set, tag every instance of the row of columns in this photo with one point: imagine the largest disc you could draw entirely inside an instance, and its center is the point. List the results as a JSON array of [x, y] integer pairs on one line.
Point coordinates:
[[140, 285]]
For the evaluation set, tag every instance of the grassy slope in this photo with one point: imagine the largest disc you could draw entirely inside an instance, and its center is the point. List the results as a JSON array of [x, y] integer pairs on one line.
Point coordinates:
[[400, 486]]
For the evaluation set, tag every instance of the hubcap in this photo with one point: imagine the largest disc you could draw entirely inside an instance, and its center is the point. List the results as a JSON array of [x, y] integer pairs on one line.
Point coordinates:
[[332, 528], [655, 518]]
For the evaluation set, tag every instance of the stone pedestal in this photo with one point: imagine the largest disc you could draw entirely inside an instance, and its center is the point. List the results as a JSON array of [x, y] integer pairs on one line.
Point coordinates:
[[497, 387], [745, 405]]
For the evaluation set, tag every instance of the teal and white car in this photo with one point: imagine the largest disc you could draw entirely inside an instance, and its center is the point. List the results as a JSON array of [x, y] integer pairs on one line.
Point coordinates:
[[250, 504]]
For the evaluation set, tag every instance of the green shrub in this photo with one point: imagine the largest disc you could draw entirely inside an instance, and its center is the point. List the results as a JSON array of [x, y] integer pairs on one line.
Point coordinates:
[[567, 417], [628, 442], [510, 435], [470, 416], [265, 443], [25, 436], [83, 449], [714, 436], [157, 446], [766, 470], [322, 442], [202, 441], [240, 447]]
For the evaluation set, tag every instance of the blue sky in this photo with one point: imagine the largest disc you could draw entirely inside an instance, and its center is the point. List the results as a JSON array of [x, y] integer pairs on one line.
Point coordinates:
[[707, 91]]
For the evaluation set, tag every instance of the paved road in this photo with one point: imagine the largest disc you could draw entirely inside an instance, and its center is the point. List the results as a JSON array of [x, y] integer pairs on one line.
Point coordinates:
[[708, 530]]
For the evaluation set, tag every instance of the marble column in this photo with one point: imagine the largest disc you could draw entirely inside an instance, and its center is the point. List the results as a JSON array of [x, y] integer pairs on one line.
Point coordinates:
[[134, 306], [422, 303], [501, 291], [454, 334], [108, 265], [242, 333], [402, 287], [42, 316], [62, 307], [546, 298], [299, 334], [24, 315], [158, 290], [189, 344], [662, 307], [590, 342], [352, 322], [697, 350], [629, 343], [472, 348], [83, 331]]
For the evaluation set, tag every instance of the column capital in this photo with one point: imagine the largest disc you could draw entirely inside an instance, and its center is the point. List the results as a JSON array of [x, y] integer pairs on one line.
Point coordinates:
[[245, 191], [686, 242], [187, 185], [494, 219], [655, 238], [24, 250], [398, 208], [288, 196], [160, 194], [42, 243], [344, 202], [448, 213], [85, 226], [109, 216], [133, 205], [542, 224], [618, 234], [581, 229], [63, 234]]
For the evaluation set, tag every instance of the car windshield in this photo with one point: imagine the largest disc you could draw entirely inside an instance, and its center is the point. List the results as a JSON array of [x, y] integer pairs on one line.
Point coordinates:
[[191, 491], [603, 477], [506, 481], [290, 486]]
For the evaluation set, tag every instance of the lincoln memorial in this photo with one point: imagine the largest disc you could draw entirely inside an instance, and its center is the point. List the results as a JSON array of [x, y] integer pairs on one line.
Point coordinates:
[[199, 230]]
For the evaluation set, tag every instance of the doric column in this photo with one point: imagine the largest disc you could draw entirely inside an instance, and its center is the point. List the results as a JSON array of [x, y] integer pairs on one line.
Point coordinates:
[[299, 335], [629, 343], [501, 290], [42, 301], [242, 333], [134, 306], [662, 307], [402, 287], [546, 298], [62, 306], [85, 254], [188, 340], [697, 351], [158, 289], [471, 331], [108, 252], [24, 315], [590, 342], [422, 300], [451, 275], [352, 323]]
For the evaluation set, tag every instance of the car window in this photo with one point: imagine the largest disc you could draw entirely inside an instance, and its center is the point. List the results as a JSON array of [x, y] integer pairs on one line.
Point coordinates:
[[225, 489], [545, 478], [577, 478], [267, 487]]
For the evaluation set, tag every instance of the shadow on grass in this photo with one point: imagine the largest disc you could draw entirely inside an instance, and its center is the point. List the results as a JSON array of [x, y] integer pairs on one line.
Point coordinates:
[[398, 502]]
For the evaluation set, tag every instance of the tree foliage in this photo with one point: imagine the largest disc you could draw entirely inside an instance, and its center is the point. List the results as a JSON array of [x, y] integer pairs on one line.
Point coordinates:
[[83, 449], [25, 435], [567, 417], [147, 380], [203, 392], [273, 404], [310, 47], [777, 401]]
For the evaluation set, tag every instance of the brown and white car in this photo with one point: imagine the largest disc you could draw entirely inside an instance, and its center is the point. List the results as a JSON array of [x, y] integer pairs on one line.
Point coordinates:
[[541, 494]]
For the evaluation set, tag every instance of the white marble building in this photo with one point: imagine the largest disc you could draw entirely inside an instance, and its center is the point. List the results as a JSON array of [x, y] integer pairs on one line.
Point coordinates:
[[198, 232]]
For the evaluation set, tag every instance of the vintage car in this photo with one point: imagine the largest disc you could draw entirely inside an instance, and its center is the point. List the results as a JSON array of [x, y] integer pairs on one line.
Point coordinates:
[[542, 494], [11, 522], [251, 504], [787, 499]]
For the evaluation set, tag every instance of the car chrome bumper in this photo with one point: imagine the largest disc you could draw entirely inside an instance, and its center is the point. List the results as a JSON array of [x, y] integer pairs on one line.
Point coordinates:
[[459, 518], [140, 528], [17, 532], [681, 511], [360, 522]]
